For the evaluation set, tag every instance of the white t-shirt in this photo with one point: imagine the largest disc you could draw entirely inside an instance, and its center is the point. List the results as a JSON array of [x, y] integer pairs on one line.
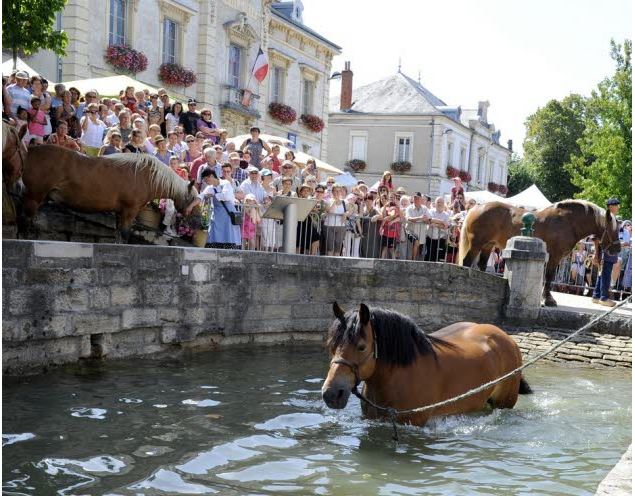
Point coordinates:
[[171, 121], [418, 228], [435, 232], [94, 133], [336, 217]]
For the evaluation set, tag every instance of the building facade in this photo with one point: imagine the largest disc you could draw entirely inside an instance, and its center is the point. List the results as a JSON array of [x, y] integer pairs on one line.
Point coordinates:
[[218, 40], [398, 120]]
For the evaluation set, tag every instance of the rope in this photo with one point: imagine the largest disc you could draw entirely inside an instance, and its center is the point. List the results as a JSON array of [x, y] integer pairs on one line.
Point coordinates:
[[392, 412]]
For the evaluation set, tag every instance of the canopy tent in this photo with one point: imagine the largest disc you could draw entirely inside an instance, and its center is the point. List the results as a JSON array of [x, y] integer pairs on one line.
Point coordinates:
[[267, 138], [483, 197], [111, 86], [346, 179], [21, 65], [531, 198]]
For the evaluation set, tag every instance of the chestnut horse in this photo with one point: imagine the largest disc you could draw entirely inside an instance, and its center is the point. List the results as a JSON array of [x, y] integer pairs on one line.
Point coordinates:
[[14, 153], [121, 183], [560, 226], [403, 367]]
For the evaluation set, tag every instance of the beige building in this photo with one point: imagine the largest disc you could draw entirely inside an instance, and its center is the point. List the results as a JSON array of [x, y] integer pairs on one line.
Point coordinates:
[[397, 119], [217, 39]]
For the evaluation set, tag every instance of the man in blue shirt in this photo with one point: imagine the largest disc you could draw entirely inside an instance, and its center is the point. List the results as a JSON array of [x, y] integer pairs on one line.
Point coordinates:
[[601, 292]]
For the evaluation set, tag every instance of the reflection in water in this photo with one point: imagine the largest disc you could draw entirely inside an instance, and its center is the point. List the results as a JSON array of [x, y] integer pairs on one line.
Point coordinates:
[[159, 431]]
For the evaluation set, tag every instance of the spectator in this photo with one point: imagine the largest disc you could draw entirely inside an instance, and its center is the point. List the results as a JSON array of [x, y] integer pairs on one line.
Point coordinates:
[[437, 233], [275, 161], [129, 100], [166, 108], [287, 172], [89, 98], [195, 149], [173, 117], [107, 113], [137, 142], [153, 131], [124, 127], [92, 131], [112, 143], [269, 228], [227, 175], [198, 163], [386, 182], [223, 234], [22, 119], [352, 237], [61, 137], [175, 146], [255, 145], [389, 230], [230, 147], [267, 182], [36, 121], [57, 99], [239, 167], [251, 220], [179, 168], [458, 205], [417, 217], [370, 246], [209, 162], [6, 103], [266, 164], [65, 111], [311, 170], [161, 151], [155, 113], [20, 95], [307, 236], [206, 126], [286, 185], [38, 89], [142, 103], [335, 222], [252, 186], [189, 119], [458, 188]]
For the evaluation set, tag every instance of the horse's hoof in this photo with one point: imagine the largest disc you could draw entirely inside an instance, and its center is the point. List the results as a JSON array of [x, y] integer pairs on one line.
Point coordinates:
[[550, 302]]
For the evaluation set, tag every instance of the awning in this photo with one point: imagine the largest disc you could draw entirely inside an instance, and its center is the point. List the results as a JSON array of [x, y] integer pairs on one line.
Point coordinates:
[[483, 196], [110, 86], [21, 65], [531, 198]]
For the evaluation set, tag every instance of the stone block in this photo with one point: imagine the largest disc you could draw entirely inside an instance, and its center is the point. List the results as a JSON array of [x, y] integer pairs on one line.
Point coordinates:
[[115, 276], [18, 358], [95, 324], [99, 297], [199, 272], [24, 301], [139, 317], [9, 277], [157, 294], [71, 300], [83, 277], [124, 295], [63, 250], [202, 254], [169, 314], [48, 276]]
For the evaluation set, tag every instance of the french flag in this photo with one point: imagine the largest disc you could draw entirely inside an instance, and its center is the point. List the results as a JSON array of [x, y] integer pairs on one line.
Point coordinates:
[[261, 66]]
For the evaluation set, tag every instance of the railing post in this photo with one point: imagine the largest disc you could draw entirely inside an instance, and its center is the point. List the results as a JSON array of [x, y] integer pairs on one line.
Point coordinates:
[[525, 258], [290, 226]]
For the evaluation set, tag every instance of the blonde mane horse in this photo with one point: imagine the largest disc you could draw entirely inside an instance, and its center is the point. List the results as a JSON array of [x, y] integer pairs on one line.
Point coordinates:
[[121, 183], [560, 226]]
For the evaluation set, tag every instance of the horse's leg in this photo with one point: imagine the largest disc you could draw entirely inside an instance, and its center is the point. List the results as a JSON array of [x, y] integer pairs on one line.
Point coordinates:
[[126, 217], [549, 276], [470, 256], [486, 250]]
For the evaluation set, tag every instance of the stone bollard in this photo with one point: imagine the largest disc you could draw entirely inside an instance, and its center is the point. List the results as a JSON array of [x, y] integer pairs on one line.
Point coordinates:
[[525, 259]]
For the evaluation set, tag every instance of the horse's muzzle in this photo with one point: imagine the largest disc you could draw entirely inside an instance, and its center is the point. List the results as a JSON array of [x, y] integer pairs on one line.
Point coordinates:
[[336, 395]]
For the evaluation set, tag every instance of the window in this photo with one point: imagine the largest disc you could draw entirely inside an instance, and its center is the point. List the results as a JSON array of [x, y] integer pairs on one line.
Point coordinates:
[[357, 145], [403, 147], [277, 84], [117, 24], [450, 158], [234, 65], [307, 96], [170, 41], [462, 164]]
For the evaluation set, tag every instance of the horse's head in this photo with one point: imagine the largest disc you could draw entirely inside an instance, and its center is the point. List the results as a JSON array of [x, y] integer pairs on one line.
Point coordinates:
[[353, 348], [13, 153], [183, 201], [610, 239]]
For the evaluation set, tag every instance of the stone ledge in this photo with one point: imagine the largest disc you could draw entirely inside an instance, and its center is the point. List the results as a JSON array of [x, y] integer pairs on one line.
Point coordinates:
[[619, 480], [61, 249]]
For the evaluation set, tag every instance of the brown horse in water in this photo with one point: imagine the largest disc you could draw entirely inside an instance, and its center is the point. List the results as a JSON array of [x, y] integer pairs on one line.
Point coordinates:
[[121, 183], [560, 226], [402, 367]]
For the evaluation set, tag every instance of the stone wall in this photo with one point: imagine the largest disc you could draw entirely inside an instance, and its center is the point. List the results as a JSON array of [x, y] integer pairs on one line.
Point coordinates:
[[67, 301]]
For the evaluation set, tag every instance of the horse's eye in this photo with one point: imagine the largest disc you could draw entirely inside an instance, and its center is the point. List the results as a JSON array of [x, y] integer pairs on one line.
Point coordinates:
[[361, 347]]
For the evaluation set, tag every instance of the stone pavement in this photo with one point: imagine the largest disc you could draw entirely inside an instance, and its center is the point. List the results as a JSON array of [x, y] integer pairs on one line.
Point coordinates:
[[619, 480], [583, 304]]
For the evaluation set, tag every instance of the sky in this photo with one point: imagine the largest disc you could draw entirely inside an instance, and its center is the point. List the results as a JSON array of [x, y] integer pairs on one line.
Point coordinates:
[[518, 54]]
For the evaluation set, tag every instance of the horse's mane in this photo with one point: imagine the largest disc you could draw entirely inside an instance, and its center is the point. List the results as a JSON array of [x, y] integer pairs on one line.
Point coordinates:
[[587, 207], [399, 338]]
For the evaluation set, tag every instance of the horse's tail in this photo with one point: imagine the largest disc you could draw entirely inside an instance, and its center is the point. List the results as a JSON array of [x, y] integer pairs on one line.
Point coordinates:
[[464, 243], [524, 387]]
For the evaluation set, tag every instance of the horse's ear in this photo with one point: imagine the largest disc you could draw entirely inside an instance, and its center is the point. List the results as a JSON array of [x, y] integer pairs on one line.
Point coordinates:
[[337, 311], [364, 314], [22, 131], [190, 185]]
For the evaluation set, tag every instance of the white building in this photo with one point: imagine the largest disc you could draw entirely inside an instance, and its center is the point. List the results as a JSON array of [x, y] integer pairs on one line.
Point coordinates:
[[219, 41], [397, 119]]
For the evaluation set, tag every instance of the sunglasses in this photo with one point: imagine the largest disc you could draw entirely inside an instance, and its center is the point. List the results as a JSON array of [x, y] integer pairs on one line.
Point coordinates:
[[190, 141], [330, 182]]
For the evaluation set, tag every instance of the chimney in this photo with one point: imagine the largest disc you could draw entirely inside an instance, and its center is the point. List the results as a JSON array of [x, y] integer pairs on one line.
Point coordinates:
[[346, 93], [509, 145]]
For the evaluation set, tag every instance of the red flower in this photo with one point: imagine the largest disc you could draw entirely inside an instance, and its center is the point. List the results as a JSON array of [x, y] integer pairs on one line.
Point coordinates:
[[126, 58], [452, 172], [313, 122], [492, 187], [282, 113], [176, 75], [465, 176]]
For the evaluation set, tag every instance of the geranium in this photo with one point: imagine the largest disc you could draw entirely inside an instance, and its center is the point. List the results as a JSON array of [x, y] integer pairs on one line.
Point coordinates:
[[465, 176], [176, 75], [401, 166], [126, 58], [313, 122], [282, 113], [502, 189], [356, 164], [452, 172], [492, 187]]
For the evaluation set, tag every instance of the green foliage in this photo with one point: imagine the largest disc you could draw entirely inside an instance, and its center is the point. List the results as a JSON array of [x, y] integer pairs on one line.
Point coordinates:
[[29, 25], [552, 139], [520, 175], [604, 166]]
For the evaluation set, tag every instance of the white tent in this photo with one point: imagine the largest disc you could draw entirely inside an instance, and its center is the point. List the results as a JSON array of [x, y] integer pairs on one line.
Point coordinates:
[[346, 179], [532, 198], [108, 86], [483, 197], [21, 65]]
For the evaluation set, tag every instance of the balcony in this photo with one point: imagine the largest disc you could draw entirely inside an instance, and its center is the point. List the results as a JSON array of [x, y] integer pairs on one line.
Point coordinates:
[[233, 100]]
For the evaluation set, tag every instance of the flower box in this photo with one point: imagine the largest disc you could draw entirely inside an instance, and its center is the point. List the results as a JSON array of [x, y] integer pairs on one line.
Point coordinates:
[[401, 166], [492, 187], [176, 75], [356, 164], [126, 59], [282, 113], [150, 216], [451, 172], [465, 176], [313, 122]]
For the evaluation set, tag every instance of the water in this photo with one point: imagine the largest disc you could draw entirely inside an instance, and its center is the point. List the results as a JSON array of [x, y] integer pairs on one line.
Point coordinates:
[[252, 422]]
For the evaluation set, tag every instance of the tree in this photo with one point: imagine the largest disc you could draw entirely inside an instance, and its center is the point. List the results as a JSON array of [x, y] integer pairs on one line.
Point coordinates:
[[552, 139], [603, 167], [520, 175], [29, 25]]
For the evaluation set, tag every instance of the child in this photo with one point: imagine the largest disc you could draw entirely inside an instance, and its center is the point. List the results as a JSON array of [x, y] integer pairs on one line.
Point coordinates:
[[268, 229], [21, 119], [36, 121], [251, 220]]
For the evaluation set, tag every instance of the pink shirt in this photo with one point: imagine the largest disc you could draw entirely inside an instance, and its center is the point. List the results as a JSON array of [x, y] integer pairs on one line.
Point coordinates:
[[37, 122]]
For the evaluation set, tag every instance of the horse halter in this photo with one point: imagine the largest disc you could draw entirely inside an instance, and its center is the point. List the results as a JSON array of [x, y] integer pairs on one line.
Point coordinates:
[[355, 366]]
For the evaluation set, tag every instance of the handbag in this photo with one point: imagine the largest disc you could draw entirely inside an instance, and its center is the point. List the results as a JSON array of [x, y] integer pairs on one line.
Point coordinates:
[[235, 217], [412, 237]]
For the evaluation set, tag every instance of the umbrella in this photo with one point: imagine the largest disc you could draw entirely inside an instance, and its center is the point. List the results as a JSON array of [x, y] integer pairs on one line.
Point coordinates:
[[301, 158], [346, 179], [375, 187], [267, 138]]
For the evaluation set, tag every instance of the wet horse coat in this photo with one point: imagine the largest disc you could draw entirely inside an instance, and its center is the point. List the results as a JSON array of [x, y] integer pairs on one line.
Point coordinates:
[[402, 367]]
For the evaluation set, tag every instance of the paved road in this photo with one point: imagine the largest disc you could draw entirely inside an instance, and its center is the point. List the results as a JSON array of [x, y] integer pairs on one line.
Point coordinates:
[[584, 304]]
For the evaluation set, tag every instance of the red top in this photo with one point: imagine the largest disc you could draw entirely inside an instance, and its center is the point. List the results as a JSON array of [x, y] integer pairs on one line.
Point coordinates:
[[195, 166]]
